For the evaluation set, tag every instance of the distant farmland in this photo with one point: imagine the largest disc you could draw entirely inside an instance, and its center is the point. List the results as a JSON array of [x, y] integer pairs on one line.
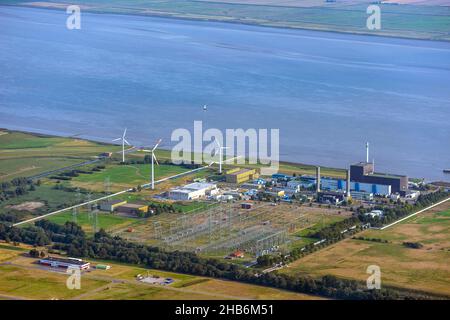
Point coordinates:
[[410, 21]]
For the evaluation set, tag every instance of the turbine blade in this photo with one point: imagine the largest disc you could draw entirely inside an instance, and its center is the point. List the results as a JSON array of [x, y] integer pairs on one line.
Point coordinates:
[[157, 144], [117, 139], [126, 142], [154, 157], [124, 133]]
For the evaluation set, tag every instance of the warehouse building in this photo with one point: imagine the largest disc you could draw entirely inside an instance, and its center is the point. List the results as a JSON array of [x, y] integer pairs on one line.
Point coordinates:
[[239, 175], [132, 208], [193, 191], [72, 263], [111, 205]]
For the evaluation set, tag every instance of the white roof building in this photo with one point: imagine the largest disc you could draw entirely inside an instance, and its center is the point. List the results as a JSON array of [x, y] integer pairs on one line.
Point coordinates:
[[193, 191], [375, 213]]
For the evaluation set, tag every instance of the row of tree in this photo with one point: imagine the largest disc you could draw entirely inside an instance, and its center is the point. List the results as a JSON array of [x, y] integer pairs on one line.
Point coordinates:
[[16, 188]]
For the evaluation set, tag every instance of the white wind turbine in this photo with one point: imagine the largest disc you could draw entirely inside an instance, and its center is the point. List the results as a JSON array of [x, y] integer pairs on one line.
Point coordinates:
[[220, 154], [123, 143], [153, 157]]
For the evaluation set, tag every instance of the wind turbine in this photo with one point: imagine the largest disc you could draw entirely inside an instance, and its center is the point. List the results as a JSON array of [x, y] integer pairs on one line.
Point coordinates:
[[153, 161], [123, 143], [220, 154]]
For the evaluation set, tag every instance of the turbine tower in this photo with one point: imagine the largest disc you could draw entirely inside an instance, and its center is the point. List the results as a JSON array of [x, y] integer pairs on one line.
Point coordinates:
[[123, 143], [153, 157], [220, 154]]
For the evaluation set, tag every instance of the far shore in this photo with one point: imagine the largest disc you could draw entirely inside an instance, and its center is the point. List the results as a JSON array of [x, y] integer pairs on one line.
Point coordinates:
[[191, 17]]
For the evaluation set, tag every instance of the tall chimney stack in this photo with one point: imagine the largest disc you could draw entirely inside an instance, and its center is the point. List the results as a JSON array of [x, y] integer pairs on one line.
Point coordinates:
[[318, 179], [348, 185], [367, 152]]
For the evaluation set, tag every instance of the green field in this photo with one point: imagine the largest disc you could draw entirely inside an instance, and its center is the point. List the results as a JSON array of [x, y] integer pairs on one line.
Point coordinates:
[[37, 284], [51, 198], [131, 174], [25, 155], [412, 21], [106, 221]]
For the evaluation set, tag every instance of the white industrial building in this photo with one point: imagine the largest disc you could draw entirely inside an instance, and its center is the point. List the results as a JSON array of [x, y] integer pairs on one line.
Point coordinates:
[[193, 191], [374, 213]]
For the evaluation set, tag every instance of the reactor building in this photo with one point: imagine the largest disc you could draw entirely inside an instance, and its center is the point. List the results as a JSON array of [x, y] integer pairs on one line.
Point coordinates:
[[363, 172]]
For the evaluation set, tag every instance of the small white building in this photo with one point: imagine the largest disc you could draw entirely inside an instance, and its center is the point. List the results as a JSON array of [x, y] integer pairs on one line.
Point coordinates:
[[412, 195], [193, 191], [374, 213], [394, 196]]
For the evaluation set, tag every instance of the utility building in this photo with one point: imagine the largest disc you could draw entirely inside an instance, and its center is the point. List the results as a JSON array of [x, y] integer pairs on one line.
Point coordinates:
[[193, 191], [72, 263], [238, 175], [132, 208], [111, 205]]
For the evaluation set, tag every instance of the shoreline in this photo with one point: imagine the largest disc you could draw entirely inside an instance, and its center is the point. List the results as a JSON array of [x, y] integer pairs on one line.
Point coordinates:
[[233, 21], [38, 134]]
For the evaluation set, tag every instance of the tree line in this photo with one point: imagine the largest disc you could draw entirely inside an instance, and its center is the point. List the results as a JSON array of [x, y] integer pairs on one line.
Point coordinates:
[[16, 187]]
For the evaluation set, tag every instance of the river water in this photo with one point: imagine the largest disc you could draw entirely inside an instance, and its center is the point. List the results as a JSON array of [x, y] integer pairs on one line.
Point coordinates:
[[328, 93]]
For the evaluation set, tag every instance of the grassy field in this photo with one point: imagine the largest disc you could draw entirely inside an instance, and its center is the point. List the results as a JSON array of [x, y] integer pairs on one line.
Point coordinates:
[[24, 155], [124, 176], [426, 269], [45, 194], [106, 221], [413, 21], [22, 278]]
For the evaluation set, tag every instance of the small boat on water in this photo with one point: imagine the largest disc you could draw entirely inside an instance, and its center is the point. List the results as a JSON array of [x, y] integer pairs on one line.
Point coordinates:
[[446, 170]]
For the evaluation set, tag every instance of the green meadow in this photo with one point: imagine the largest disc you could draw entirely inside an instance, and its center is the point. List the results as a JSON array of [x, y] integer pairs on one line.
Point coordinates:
[[130, 174], [106, 221]]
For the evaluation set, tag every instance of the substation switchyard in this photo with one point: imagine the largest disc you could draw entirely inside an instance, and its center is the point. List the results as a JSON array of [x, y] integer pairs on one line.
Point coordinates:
[[226, 227]]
